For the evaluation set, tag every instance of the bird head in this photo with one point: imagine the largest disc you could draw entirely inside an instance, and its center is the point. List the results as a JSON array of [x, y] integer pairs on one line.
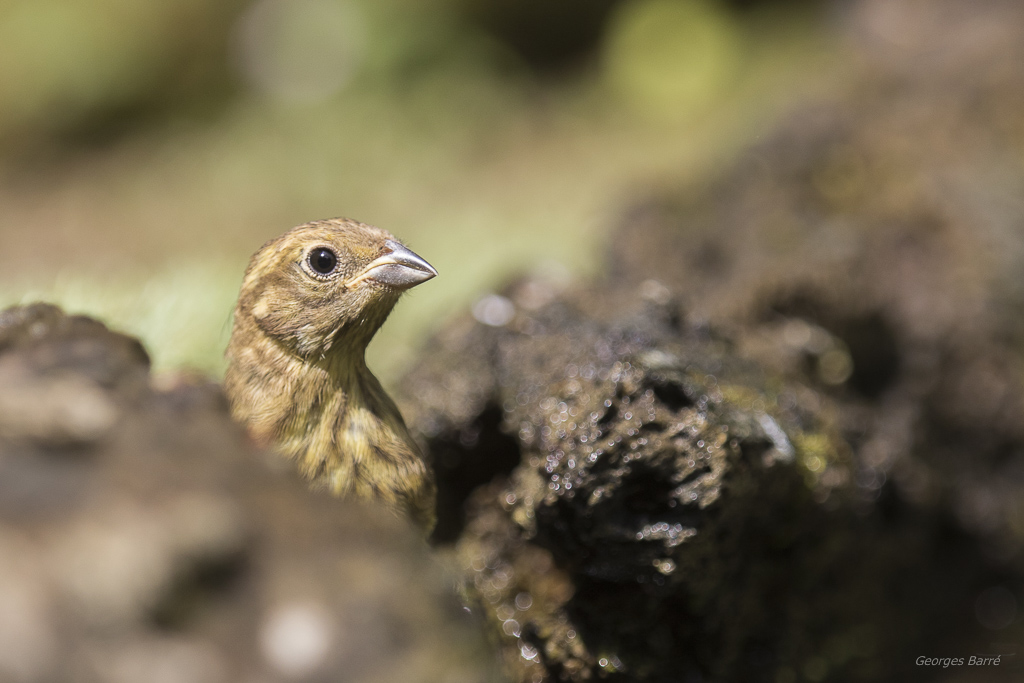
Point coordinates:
[[328, 285]]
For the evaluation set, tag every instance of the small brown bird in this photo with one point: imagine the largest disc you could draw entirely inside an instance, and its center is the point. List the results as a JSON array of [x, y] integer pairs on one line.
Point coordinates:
[[310, 302]]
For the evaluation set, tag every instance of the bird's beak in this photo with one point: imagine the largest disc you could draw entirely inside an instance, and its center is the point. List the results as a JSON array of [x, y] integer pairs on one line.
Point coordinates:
[[399, 268]]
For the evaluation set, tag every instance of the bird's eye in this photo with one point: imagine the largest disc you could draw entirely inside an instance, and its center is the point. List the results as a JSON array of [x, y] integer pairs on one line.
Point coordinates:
[[323, 260]]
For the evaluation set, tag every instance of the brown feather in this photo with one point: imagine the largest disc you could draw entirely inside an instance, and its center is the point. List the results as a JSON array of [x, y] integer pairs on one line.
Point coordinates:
[[297, 374]]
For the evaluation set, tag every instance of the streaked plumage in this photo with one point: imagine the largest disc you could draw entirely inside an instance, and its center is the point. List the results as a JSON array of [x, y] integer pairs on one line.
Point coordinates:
[[297, 375]]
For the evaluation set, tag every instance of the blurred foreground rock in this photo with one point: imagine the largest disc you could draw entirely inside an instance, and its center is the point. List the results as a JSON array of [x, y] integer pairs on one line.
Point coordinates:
[[141, 538], [783, 439]]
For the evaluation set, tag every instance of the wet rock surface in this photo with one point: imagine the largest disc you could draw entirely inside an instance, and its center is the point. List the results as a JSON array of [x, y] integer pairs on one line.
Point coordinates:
[[890, 219], [782, 439], [142, 538], [679, 514]]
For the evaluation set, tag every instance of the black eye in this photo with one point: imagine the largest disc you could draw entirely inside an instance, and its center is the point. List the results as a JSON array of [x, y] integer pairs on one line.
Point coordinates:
[[323, 260]]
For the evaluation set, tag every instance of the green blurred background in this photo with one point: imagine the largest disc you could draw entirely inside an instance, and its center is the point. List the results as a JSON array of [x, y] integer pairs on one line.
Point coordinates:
[[147, 149]]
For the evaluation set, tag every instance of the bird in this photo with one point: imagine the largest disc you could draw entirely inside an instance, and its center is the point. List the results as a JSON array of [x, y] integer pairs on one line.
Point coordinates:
[[310, 302]]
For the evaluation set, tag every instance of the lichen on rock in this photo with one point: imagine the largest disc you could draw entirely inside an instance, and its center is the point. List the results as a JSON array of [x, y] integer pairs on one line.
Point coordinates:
[[657, 469]]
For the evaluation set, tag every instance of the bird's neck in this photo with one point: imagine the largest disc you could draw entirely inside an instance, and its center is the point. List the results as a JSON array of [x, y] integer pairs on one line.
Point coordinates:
[[333, 417]]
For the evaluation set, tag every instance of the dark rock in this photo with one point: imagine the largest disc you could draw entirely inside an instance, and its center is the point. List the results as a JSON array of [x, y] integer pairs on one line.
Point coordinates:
[[781, 440], [889, 218], [143, 539], [678, 514]]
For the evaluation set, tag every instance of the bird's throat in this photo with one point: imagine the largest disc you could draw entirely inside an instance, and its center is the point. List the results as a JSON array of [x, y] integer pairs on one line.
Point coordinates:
[[334, 418]]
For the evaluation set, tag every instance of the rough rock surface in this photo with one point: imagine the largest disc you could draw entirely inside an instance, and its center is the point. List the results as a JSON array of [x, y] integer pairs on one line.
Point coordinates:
[[891, 218], [782, 440], [142, 539], [677, 514]]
